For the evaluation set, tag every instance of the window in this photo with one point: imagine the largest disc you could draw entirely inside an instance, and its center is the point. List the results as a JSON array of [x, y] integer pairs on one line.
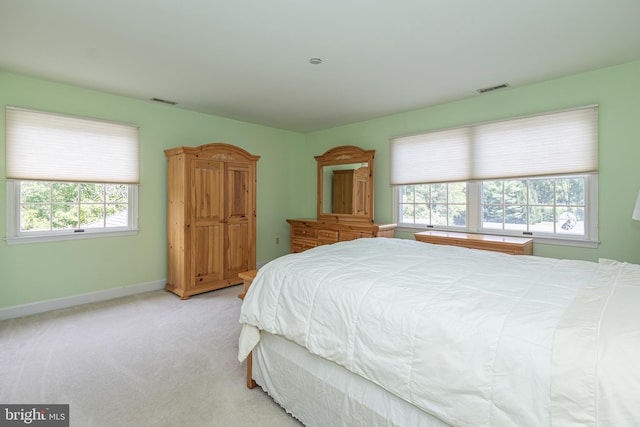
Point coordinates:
[[69, 177], [538, 205], [533, 176], [49, 206], [434, 204], [550, 209]]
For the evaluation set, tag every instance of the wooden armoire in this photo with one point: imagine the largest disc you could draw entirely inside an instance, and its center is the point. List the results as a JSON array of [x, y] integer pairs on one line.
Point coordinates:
[[211, 217], [350, 191]]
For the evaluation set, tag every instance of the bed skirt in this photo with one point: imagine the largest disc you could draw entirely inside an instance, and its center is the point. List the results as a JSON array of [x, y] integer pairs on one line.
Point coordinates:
[[321, 393]]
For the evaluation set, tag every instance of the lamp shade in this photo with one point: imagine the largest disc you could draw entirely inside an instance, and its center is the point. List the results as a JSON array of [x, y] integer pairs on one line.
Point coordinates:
[[636, 211]]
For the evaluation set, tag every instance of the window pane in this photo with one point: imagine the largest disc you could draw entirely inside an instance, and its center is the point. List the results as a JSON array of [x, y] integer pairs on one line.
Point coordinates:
[[458, 215], [492, 192], [492, 216], [439, 214], [541, 219], [541, 191], [91, 216], [422, 193], [117, 216], [570, 191], [515, 192], [407, 213], [406, 194], [64, 216], [34, 192], [570, 221], [458, 193], [439, 193], [64, 192], [91, 193], [117, 193], [35, 217], [515, 217], [422, 214]]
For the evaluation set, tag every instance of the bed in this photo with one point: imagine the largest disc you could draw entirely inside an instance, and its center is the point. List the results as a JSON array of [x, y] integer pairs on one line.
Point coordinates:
[[403, 333]]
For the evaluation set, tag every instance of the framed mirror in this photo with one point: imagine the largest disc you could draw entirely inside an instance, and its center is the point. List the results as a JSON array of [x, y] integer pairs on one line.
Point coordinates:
[[345, 184]]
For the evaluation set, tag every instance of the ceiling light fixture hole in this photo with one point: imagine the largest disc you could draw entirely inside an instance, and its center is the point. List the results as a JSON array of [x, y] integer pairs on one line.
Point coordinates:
[[315, 61]]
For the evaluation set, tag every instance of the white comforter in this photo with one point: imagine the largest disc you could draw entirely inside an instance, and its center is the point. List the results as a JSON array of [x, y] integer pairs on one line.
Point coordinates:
[[474, 337]]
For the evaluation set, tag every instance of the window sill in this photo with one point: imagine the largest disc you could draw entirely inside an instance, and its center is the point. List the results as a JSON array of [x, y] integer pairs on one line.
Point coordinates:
[[68, 236], [545, 240]]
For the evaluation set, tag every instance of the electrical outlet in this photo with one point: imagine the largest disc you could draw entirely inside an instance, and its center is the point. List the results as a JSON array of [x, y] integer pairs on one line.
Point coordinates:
[[277, 240]]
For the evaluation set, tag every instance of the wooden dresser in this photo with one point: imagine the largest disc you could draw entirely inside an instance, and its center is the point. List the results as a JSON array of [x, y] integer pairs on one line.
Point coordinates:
[[309, 233], [504, 244]]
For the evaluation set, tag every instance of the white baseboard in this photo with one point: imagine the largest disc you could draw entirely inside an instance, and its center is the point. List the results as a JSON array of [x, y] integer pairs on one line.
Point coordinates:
[[71, 301]]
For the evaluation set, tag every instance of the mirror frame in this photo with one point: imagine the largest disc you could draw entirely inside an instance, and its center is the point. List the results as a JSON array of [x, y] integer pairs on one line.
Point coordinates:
[[346, 154]]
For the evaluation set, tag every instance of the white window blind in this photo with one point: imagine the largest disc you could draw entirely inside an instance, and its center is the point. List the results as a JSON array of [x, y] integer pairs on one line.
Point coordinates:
[[564, 142], [54, 147]]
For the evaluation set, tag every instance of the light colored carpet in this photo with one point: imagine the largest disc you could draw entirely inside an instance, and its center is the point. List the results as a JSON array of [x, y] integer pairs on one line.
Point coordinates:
[[144, 360]]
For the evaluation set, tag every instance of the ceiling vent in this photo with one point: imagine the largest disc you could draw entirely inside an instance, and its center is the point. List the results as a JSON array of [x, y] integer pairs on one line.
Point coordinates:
[[164, 101], [491, 89]]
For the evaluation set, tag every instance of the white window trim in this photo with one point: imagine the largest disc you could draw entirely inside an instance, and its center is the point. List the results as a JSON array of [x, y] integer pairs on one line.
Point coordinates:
[[474, 219], [14, 236]]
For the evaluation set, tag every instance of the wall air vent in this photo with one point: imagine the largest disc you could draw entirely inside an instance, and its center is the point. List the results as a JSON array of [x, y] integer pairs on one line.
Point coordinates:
[[164, 101], [490, 89]]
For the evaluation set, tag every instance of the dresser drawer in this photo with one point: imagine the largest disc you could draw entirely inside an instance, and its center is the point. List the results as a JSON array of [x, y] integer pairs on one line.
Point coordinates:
[[301, 245], [327, 236], [310, 233], [352, 235]]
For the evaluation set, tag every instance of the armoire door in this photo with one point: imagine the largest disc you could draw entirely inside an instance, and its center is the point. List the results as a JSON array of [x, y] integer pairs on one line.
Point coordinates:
[[360, 191], [207, 202], [239, 218], [342, 191]]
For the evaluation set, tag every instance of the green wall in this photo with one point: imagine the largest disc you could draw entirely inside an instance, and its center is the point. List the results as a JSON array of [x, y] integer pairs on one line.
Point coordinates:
[[44, 271], [286, 174], [616, 90]]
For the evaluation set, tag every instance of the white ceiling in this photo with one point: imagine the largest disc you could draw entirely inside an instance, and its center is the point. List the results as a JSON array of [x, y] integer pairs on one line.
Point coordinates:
[[249, 59]]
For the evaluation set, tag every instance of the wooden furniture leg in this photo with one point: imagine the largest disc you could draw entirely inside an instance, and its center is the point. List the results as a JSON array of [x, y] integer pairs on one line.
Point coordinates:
[[247, 277], [250, 382]]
